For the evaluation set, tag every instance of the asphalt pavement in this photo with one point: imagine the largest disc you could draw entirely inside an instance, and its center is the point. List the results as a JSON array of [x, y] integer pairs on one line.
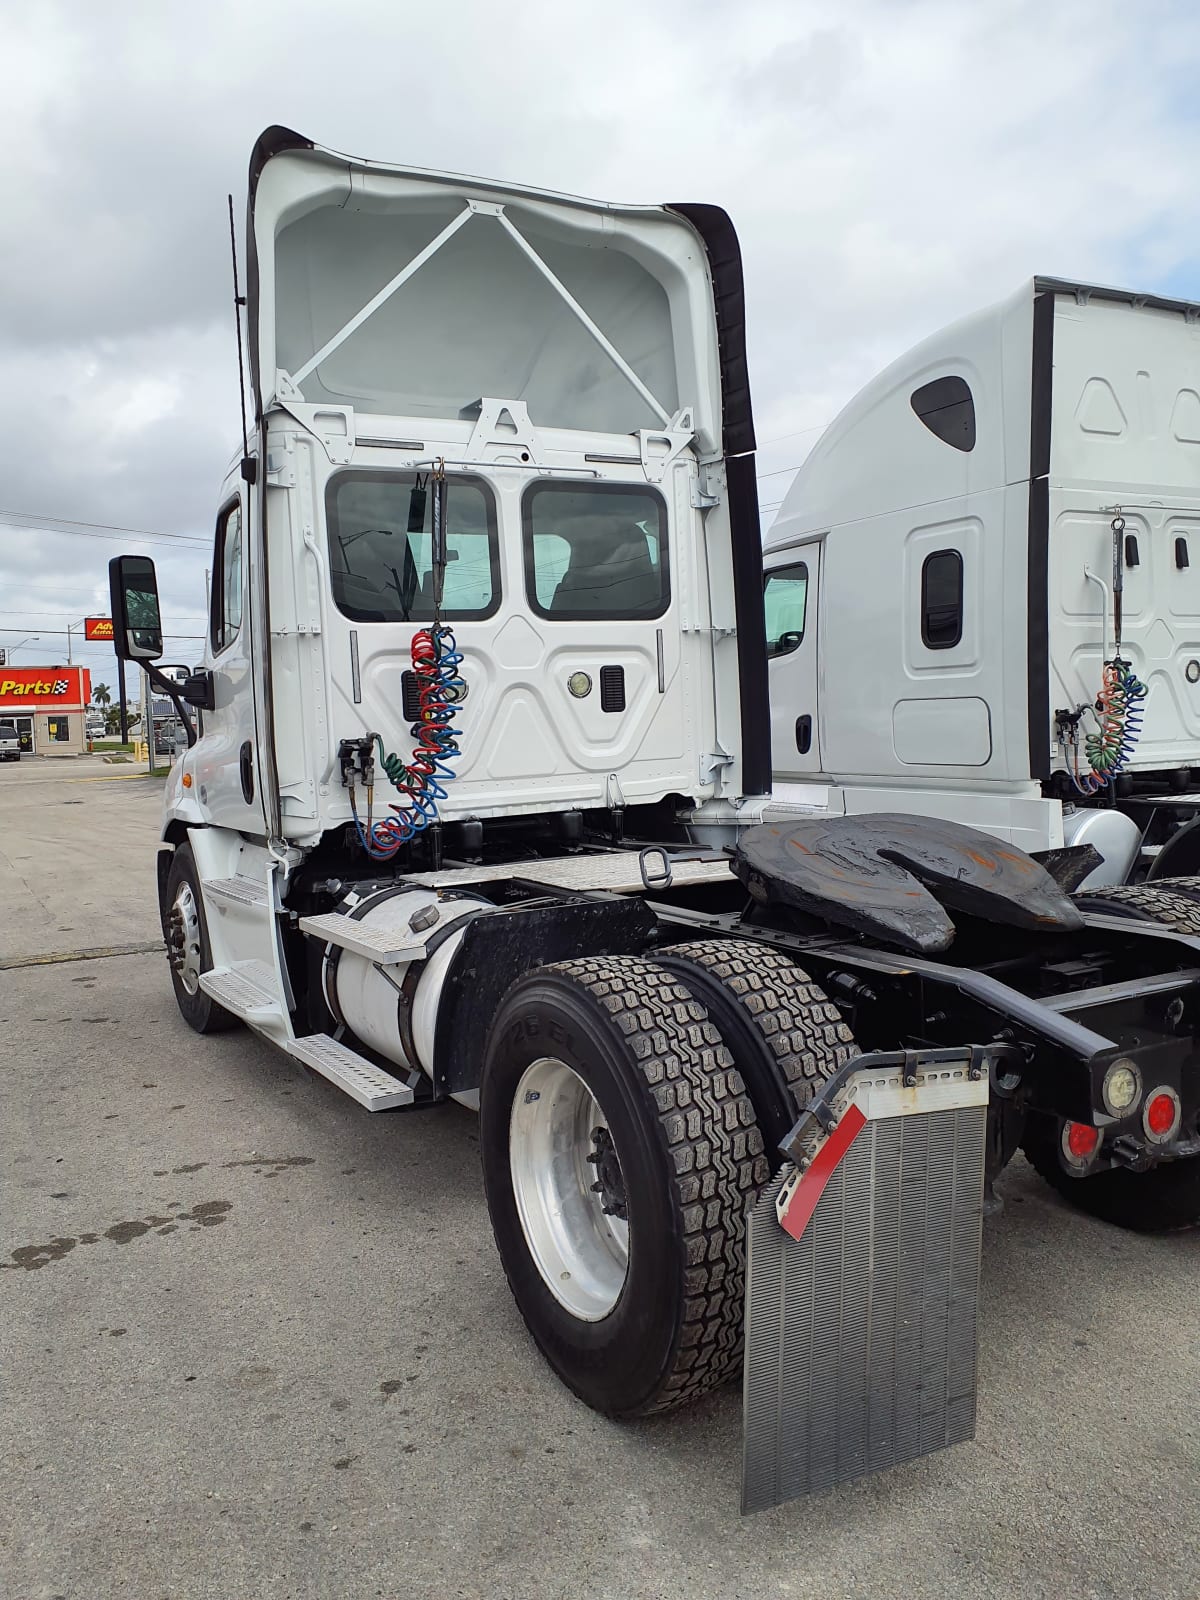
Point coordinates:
[[255, 1342]]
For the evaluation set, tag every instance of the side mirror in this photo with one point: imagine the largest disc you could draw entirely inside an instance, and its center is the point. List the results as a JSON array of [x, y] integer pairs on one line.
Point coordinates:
[[133, 598], [197, 690]]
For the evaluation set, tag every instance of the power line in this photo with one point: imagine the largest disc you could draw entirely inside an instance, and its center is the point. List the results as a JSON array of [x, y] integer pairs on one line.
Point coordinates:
[[817, 427], [57, 615], [57, 588], [39, 519], [172, 541], [61, 633]]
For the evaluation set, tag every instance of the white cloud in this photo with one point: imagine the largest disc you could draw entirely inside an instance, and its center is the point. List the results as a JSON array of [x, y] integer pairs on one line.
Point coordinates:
[[890, 165]]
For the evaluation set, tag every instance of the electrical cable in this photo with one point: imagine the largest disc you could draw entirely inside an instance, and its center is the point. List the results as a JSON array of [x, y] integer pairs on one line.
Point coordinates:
[[1119, 710], [421, 779], [1119, 706]]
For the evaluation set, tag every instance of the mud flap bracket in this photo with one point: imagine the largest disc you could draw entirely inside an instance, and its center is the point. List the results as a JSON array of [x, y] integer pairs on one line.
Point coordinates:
[[862, 1281]]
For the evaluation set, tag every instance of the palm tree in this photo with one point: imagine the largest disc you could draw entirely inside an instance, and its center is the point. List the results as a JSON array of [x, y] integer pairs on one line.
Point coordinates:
[[102, 694]]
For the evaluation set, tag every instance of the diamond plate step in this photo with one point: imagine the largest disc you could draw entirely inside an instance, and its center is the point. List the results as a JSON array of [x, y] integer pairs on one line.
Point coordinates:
[[244, 890], [359, 1078], [247, 989], [387, 946]]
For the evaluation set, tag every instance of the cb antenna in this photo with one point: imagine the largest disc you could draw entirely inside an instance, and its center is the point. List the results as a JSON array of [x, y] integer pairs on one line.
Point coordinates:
[[239, 300]]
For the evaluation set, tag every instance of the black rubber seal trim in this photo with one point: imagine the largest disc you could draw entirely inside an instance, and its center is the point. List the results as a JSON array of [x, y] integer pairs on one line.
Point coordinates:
[[720, 240], [273, 141], [753, 685], [1037, 643]]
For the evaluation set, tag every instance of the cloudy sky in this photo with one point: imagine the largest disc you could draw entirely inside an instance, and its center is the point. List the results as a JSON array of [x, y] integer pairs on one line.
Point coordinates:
[[890, 165]]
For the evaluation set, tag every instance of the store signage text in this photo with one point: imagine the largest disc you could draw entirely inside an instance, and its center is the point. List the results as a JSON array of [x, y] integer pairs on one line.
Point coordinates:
[[45, 688], [37, 686]]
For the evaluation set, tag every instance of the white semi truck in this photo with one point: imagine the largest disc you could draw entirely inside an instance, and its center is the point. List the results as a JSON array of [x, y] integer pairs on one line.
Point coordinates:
[[482, 731], [1011, 512]]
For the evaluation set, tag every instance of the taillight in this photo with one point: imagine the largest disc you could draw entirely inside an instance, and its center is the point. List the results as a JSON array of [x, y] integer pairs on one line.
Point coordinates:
[[1080, 1142], [1161, 1115]]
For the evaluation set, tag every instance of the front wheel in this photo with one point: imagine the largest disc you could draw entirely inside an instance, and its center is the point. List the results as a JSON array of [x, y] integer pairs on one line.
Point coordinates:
[[188, 948], [620, 1155]]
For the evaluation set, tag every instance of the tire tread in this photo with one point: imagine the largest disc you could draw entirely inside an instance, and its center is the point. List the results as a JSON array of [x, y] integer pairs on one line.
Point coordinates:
[[803, 1029], [708, 1125], [1177, 908]]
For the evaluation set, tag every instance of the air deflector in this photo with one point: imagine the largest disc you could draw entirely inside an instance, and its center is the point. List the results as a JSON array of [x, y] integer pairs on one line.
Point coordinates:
[[401, 292]]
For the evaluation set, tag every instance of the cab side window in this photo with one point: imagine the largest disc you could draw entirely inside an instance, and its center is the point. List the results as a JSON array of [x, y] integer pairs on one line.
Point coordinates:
[[227, 578], [942, 600], [785, 601]]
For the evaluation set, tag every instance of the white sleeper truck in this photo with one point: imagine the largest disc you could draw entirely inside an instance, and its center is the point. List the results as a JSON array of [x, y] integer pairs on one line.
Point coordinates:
[[469, 811], [1011, 512]]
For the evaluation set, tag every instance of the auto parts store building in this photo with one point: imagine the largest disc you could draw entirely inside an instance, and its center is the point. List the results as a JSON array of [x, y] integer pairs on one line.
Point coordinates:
[[48, 705]]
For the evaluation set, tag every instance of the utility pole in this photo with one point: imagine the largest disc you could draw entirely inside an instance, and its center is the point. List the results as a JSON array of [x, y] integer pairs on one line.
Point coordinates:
[[148, 719]]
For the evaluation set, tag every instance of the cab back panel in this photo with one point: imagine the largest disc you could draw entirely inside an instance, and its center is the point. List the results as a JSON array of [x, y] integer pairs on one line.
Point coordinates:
[[561, 358], [1125, 433]]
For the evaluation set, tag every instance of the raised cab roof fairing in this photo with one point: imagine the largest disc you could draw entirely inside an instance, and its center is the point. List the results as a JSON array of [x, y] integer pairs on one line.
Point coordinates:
[[401, 292]]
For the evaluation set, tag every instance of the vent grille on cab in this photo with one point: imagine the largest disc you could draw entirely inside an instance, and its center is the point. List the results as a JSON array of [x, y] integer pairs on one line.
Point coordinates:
[[612, 688], [410, 696]]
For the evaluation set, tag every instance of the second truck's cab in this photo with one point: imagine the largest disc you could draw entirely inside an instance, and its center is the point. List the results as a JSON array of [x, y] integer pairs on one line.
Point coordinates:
[[999, 514]]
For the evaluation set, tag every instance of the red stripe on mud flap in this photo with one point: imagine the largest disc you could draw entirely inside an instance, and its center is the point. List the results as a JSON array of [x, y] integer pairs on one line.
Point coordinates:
[[812, 1185]]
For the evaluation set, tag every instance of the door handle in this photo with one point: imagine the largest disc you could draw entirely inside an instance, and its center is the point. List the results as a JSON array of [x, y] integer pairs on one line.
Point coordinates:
[[804, 734], [246, 772]]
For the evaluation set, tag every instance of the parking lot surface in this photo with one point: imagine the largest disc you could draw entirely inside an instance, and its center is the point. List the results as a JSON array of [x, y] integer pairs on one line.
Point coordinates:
[[256, 1342]]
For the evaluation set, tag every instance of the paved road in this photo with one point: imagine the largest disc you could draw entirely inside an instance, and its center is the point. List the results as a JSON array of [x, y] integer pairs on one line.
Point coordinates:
[[256, 1343]]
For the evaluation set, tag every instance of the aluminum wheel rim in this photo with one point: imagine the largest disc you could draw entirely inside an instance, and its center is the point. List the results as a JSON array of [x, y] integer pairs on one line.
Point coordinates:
[[185, 938], [581, 1253]]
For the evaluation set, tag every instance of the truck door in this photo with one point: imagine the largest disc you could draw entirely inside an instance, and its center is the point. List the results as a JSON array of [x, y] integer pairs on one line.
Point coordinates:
[[225, 762], [790, 603]]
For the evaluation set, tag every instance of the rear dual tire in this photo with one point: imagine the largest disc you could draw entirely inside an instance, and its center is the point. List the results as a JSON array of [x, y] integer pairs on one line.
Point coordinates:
[[623, 1149], [620, 1035]]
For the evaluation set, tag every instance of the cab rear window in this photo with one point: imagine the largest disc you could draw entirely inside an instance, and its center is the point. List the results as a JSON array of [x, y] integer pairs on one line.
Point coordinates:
[[596, 550], [382, 572]]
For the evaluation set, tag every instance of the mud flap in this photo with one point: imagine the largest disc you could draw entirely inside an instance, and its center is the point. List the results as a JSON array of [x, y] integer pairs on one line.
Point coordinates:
[[862, 1280]]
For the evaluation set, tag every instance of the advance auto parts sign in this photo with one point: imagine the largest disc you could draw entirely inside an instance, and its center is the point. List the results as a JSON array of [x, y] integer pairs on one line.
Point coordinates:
[[45, 688], [97, 628]]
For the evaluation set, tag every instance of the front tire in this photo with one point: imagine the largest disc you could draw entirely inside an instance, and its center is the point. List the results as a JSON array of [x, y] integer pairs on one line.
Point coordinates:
[[188, 948], [620, 1155]]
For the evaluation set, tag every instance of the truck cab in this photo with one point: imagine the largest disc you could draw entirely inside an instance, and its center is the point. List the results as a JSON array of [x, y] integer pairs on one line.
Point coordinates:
[[554, 367]]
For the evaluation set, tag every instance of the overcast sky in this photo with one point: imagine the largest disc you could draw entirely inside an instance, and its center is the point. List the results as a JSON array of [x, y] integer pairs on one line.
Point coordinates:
[[890, 165]]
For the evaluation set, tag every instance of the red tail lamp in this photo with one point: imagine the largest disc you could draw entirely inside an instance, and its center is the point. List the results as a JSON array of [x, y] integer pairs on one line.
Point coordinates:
[[1160, 1117], [1082, 1140]]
